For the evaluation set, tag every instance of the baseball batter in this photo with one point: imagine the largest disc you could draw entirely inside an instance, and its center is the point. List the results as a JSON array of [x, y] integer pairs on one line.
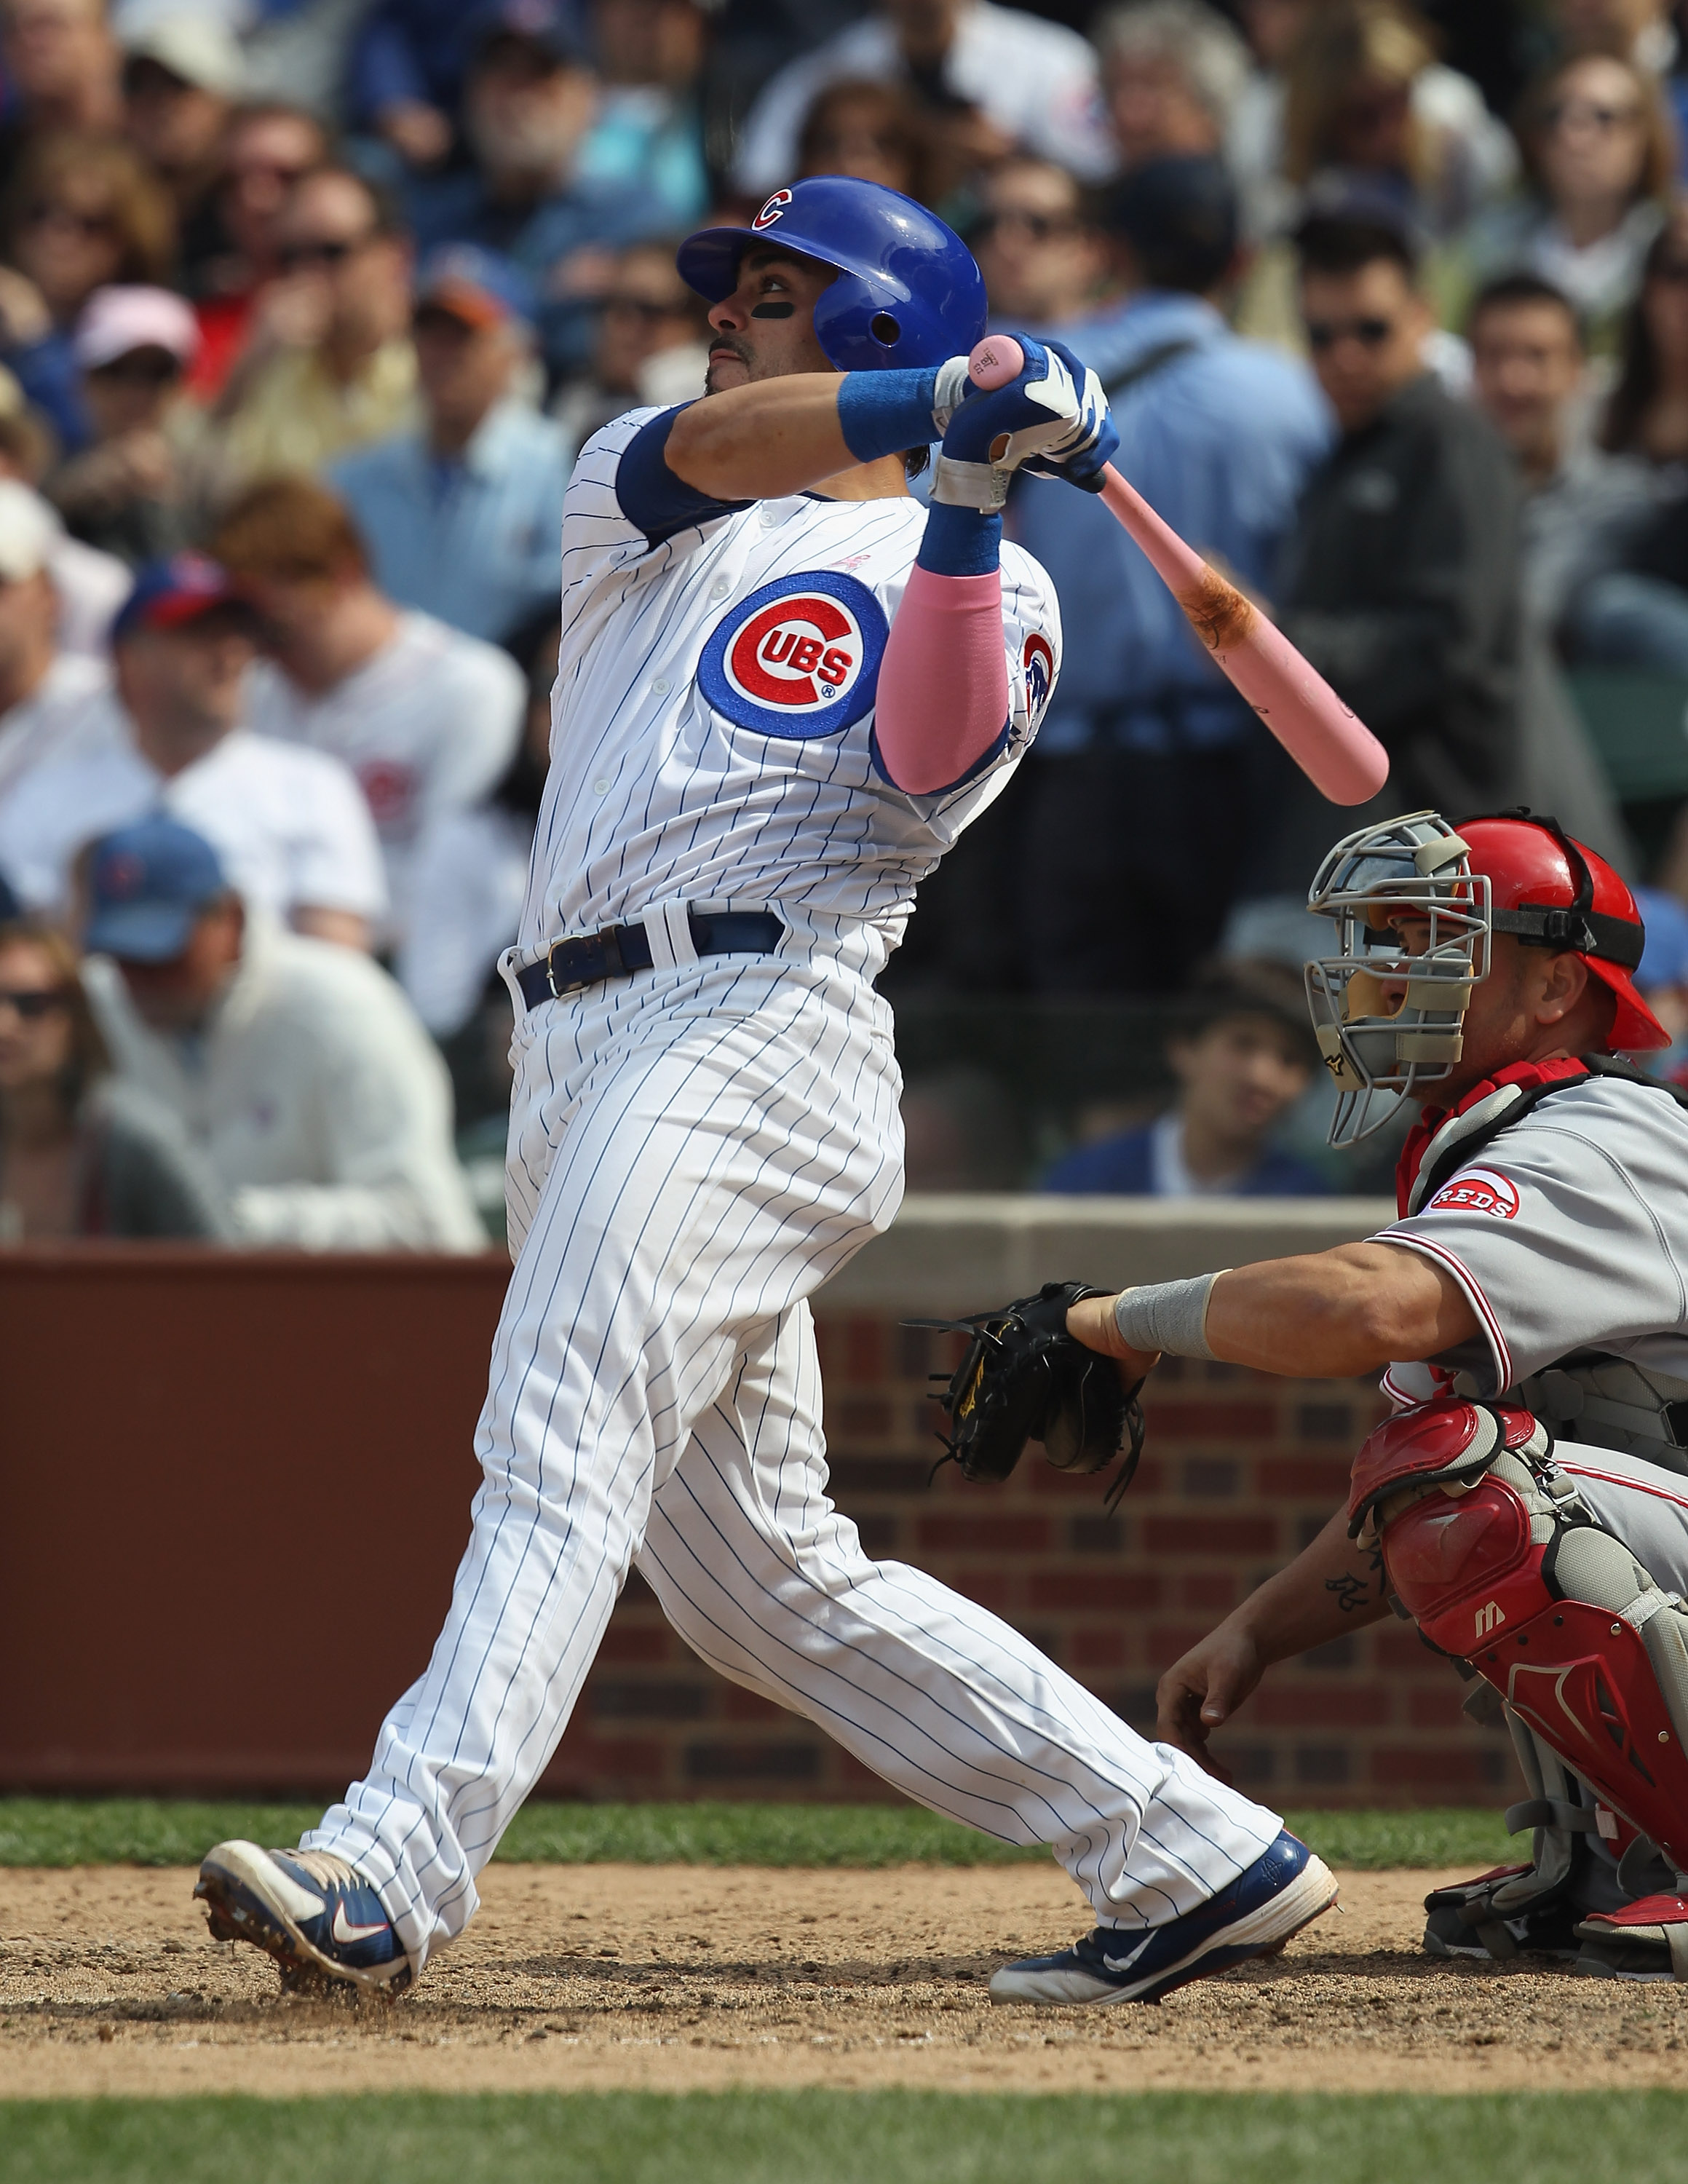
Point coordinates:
[[784, 687], [1527, 1503]]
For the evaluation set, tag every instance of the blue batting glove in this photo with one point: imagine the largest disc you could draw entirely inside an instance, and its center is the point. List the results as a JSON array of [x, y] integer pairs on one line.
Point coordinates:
[[1052, 418], [1095, 440]]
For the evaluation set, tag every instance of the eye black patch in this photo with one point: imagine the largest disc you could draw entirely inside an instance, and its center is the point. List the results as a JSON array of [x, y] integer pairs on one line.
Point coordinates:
[[773, 310]]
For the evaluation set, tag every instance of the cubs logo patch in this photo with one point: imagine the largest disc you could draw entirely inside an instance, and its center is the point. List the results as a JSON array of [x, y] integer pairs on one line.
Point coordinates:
[[1036, 664], [799, 658], [1478, 1190], [772, 209]]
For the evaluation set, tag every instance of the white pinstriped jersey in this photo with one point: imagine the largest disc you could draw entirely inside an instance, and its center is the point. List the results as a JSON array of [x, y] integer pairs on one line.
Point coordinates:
[[711, 735]]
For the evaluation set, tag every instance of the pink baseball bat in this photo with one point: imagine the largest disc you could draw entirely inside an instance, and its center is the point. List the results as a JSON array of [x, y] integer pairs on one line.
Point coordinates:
[[1327, 740]]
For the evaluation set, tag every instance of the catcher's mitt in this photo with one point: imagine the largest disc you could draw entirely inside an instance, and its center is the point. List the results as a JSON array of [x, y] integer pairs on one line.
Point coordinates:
[[1024, 1378]]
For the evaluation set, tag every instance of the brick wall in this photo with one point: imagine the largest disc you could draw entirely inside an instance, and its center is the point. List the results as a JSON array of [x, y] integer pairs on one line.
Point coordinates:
[[1240, 1470], [207, 1653]]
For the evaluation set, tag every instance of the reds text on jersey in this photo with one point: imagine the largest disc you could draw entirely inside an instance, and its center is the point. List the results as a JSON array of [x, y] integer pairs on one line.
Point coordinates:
[[1568, 1234]]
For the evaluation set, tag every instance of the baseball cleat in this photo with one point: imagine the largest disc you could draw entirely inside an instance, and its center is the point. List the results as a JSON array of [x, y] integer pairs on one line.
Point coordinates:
[[1281, 1892], [311, 1911], [1463, 1921], [1645, 1941]]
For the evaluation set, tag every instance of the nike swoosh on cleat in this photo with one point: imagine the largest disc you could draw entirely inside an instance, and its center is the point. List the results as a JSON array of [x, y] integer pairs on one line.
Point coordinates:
[[345, 1933], [1124, 1964]]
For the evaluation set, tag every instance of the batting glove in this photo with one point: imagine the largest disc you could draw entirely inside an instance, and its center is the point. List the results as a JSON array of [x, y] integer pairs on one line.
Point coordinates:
[[1053, 420], [1094, 442]]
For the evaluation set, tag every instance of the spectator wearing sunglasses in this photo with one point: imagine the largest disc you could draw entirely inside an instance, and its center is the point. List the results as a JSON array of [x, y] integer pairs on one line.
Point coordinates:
[[127, 493], [266, 151], [81, 1154], [1598, 158], [1044, 260], [462, 514], [85, 211], [648, 346], [1400, 579], [329, 363]]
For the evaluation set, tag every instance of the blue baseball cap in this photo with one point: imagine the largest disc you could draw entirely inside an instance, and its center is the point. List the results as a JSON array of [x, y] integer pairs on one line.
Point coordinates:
[[553, 29], [171, 593], [148, 884], [476, 286]]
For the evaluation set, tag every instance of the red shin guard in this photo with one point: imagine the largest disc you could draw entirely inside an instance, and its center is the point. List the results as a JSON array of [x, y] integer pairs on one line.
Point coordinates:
[[1489, 1554]]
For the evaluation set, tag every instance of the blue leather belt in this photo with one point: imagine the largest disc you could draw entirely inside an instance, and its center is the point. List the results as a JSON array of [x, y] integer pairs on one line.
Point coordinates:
[[574, 965]]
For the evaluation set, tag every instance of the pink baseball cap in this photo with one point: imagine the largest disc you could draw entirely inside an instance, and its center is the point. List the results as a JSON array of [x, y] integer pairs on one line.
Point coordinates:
[[118, 320]]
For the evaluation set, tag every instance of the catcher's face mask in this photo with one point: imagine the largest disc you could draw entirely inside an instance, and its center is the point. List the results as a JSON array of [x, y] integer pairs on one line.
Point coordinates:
[[1413, 939]]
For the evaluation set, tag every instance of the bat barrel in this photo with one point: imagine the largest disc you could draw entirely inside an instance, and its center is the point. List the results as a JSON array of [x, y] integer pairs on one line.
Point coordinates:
[[1333, 748]]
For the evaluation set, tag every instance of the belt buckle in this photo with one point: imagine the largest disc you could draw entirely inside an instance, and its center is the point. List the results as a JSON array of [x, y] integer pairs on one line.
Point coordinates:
[[557, 992]]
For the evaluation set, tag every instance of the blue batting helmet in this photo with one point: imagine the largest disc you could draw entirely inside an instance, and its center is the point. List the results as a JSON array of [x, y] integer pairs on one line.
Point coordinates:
[[907, 293]]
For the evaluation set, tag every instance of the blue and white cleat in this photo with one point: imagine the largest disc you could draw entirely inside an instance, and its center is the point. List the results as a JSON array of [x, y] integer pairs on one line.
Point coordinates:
[[1281, 1892], [311, 1911]]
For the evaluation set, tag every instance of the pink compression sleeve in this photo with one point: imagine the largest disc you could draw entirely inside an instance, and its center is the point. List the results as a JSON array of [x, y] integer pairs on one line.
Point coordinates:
[[943, 699]]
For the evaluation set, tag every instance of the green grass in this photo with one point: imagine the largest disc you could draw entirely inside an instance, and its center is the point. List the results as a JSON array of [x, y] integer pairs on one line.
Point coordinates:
[[154, 1831], [854, 2139]]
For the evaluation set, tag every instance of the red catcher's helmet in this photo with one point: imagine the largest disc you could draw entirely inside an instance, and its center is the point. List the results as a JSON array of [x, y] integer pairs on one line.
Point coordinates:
[[1551, 892]]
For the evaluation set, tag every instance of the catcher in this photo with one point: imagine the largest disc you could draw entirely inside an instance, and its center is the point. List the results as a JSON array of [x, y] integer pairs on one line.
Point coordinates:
[[1527, 1504]]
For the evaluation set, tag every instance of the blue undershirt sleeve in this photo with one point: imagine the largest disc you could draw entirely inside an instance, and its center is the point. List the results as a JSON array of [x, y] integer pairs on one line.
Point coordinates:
[[651, 498]]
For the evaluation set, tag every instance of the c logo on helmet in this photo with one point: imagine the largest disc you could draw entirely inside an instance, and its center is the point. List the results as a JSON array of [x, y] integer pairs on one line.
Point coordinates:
[[772, 209], [799, 658], [1036, 661]]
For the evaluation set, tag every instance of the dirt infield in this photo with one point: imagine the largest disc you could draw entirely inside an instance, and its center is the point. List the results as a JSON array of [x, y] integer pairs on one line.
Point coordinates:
[[679, 1977]]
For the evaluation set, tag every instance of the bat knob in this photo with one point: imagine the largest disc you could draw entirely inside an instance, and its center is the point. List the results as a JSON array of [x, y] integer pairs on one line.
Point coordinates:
[[995, 361]]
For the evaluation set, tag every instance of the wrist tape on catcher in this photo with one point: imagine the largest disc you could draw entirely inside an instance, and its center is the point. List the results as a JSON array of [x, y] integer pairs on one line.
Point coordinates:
[[1168, 1316]]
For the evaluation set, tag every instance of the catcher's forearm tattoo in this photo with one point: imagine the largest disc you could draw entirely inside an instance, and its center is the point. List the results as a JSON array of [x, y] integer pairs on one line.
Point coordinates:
[[1353, 1593]]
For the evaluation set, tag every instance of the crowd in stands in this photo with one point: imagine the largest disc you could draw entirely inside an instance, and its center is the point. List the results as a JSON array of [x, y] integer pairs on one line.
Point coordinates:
[[307, 307]]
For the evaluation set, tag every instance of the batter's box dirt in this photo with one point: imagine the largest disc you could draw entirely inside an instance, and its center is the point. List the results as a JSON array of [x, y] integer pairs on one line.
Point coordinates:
[[670, 1978]]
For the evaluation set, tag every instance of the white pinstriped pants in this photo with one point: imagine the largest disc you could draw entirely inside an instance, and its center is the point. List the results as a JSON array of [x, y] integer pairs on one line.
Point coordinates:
[[692, 1151]]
